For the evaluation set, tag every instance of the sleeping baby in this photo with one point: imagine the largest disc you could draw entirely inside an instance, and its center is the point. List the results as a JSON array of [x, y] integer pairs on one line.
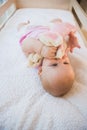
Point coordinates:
[[47, 49]]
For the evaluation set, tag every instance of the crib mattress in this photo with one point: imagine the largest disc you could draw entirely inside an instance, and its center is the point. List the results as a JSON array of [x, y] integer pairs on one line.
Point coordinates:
[[24, 104]]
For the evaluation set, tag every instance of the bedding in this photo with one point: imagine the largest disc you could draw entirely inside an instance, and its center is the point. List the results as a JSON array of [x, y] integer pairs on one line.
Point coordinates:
[[24, 104]]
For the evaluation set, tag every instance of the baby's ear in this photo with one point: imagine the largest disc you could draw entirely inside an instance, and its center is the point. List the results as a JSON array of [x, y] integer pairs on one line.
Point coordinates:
[[39, 70]]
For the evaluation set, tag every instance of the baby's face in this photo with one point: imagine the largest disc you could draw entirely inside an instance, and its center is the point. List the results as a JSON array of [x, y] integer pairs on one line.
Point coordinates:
[[57, 69]]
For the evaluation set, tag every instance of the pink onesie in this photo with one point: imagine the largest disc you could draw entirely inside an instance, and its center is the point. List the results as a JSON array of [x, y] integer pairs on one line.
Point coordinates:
[[34, 32], [60, 28]]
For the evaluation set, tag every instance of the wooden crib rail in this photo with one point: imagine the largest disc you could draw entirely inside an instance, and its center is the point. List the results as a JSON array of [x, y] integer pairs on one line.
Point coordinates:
[[80, 17], [5, 6]]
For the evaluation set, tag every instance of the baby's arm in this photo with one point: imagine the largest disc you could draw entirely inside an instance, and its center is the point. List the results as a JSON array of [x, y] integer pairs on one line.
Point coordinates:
[[73, 41], [30, 45]]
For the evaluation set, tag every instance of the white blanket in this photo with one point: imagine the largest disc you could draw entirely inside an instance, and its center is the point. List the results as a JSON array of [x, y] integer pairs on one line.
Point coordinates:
[[24, 104]]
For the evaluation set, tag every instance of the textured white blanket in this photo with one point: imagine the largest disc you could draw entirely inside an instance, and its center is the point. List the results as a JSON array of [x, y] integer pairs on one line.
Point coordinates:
[[24, 104]]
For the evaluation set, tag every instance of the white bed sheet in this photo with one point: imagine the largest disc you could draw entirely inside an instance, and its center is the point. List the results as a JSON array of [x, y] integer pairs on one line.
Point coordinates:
[[24, 104]]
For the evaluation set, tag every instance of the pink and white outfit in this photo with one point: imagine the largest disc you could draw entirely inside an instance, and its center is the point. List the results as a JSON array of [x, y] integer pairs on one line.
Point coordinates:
[[34, 32]]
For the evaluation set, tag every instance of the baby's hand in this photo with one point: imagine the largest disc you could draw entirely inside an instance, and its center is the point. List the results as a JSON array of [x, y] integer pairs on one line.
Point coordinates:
[[48, 52], [73, 42]]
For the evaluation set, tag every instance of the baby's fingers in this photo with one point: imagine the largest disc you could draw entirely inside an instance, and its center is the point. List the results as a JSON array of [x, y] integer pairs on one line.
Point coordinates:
[[52, 55], [54, 48]]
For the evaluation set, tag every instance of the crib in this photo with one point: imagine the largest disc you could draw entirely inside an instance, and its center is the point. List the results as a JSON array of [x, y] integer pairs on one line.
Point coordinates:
[[24, 104]]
